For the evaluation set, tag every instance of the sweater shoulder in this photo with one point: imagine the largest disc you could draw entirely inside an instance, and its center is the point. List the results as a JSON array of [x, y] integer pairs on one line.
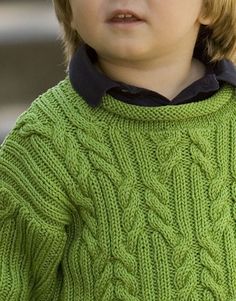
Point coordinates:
[[45, 112], [48, 106], [34, 157]]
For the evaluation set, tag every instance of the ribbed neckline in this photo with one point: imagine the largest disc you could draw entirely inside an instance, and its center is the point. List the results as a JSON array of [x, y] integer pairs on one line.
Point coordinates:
[[170, 112], [114, 111]]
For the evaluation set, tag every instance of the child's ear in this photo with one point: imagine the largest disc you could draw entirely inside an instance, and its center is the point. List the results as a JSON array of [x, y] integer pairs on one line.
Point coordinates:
[[72, 22], [205, 21]]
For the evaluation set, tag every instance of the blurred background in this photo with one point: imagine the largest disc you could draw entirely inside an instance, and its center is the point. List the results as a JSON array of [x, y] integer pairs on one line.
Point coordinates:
[[31, 58]]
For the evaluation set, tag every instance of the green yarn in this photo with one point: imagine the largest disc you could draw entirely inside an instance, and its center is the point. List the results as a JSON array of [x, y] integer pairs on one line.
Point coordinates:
[[119, 202]]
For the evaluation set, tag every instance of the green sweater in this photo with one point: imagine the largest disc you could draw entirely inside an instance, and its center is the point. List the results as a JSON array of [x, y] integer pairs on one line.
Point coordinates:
[[119, 202]]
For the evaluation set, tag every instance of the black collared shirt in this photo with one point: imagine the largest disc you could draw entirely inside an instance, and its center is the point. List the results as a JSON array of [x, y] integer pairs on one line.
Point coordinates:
[[92, 85]]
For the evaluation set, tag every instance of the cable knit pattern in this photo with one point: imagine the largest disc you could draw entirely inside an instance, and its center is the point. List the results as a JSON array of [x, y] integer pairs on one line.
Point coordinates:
[[208, 233], [119, 202]]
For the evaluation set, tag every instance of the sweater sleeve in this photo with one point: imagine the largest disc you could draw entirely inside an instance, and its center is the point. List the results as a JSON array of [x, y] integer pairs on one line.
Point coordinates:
[[32, 220]]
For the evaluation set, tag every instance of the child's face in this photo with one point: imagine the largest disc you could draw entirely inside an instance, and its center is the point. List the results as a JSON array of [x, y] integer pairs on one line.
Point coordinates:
[[167, 26]]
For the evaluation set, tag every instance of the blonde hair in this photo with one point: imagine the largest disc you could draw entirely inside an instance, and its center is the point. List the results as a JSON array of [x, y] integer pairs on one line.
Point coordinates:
[[218, 38]]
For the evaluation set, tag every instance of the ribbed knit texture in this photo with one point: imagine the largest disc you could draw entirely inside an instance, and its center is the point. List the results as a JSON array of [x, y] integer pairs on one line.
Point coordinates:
[[119, 202]]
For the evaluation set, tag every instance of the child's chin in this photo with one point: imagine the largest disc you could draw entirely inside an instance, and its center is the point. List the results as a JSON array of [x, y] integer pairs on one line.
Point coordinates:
[[124, 52], [130, 52]]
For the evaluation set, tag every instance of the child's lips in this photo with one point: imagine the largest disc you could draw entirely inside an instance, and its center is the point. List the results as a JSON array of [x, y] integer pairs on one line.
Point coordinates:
[[130, 19], [113, 17]]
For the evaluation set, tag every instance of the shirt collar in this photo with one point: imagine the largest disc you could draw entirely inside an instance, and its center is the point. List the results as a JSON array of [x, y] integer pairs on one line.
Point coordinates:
[[82, 70]]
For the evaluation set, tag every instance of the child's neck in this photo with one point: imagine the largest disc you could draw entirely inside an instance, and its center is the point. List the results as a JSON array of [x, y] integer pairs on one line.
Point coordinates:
[[167, 78]]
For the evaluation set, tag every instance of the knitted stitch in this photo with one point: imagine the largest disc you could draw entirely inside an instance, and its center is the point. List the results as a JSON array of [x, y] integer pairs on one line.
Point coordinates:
[[119, 202]]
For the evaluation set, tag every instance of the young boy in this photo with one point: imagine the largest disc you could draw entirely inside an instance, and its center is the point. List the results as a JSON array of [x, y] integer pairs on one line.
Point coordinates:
[[119, 183]]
